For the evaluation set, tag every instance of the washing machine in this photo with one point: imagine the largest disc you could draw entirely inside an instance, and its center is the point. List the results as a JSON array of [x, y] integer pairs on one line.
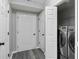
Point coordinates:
[[62, 42], [71, 42], [66, 42]]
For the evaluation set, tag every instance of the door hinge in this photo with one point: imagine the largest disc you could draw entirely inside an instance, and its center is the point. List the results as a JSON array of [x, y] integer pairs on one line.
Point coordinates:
[[9, 55]]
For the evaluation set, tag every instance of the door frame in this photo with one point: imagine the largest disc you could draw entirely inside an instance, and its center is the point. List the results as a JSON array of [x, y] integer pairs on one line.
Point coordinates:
[[76, 23]]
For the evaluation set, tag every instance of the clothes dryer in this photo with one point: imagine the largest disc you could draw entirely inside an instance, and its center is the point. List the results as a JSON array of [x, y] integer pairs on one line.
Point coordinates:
[[66, 42], [63, 42], [71, 42]]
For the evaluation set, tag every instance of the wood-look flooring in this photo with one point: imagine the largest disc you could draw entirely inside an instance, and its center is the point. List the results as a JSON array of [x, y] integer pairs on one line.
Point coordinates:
[[30, 54]]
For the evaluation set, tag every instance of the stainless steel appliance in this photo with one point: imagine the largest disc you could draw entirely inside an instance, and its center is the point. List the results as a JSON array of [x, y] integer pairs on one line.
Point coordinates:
[[71, 42], [66, 42]]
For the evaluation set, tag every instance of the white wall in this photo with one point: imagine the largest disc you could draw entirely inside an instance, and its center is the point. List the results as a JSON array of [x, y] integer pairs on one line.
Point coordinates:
[[35, 1], [50, 2], [27, 3], [53, 2], [66, 17]]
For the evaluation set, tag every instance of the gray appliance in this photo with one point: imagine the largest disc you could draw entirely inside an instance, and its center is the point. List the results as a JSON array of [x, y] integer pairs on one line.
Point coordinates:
[[66, 42]]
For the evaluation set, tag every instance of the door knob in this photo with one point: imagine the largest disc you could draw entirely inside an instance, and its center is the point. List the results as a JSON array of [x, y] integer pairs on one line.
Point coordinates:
[[34, 34], [1, 44], [43, 34]]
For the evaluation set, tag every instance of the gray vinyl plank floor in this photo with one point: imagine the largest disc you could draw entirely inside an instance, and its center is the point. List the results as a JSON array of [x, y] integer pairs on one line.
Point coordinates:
[[29, 54], [38, 54]]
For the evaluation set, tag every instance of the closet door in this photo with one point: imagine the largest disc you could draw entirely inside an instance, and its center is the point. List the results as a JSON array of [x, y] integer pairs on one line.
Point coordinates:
[[4, 29], [26, 31], [51, 32]]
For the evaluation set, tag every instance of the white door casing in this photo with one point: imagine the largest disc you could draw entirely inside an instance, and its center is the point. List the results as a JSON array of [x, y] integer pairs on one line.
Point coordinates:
[[26, 31], [42, 30]]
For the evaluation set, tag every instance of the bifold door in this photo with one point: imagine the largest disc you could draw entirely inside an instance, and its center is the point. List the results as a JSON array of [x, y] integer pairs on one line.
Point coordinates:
[[51, 32], [26, 31]]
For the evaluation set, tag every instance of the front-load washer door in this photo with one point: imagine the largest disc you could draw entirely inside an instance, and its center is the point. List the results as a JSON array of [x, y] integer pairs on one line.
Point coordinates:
[[63, 45], [72, 42], [71, 50]]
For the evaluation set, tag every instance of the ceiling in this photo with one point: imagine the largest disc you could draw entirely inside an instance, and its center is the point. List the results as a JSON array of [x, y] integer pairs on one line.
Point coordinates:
[[35, 1], [69, 4], [39, 1], [26, 5]]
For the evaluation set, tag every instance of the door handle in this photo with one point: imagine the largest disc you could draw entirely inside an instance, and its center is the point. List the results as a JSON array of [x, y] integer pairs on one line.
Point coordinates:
[[34, 34], [1, 44], [43, 34]]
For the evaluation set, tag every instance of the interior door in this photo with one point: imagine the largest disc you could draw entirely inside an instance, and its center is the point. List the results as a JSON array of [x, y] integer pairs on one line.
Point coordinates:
[[4, 29], [26, 31], [4, 38], [51, 32]]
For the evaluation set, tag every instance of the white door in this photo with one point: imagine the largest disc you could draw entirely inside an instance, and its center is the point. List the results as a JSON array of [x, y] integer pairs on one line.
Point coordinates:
[[51, 32], [4, 29], [4, 38], [26, 31]]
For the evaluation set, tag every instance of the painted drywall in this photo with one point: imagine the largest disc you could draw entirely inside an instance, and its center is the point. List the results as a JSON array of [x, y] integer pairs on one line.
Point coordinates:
[[66, 17], [54, 2], [36, 1], [50, 2], [42, 30]]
